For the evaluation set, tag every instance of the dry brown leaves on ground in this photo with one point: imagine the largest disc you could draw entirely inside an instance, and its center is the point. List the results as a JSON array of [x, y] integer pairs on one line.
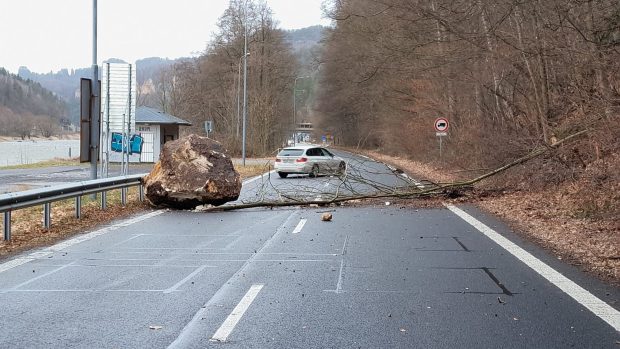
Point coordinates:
[[421, 170], [593, 245]]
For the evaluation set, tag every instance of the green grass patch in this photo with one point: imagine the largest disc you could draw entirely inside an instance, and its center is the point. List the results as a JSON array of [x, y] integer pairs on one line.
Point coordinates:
[[48, 163]]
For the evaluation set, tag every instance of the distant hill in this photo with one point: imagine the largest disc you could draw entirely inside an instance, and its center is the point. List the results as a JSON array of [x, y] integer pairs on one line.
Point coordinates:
[[149, 68], [305, 36], [65, 83], [24, 96], [26, 107], [306, 43]]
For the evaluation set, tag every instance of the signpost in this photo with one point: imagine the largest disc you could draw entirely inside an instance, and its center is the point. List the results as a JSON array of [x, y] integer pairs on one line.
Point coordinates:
[[86, 117], [208, 127], [441, 130]]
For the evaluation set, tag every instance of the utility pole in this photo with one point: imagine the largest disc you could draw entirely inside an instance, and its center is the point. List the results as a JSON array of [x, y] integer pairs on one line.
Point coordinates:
[[239, 95], [245, 78], [295, 107], [94, 125], [239, 99]]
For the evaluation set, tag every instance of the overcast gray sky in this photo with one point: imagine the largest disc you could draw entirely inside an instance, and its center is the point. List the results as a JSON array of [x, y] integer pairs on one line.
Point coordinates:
[[47, 35]]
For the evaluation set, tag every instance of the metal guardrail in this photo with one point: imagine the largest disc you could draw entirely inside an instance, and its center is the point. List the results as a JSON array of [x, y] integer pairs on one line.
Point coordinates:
[[45, 196]]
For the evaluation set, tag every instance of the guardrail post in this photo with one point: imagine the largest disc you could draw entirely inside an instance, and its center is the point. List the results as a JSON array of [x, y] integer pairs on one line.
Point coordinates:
[[7, 226], [124, 196], [47, 215], [104, 203], [141, 190], [78, 207]]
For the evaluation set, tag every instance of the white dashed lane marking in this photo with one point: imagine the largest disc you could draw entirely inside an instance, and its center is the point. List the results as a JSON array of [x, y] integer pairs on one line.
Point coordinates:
[[221, 335], [299, 226], [186, 279]]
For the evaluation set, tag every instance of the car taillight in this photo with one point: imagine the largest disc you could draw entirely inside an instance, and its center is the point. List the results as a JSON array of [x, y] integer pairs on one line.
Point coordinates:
[[278, 160], [301, 160]]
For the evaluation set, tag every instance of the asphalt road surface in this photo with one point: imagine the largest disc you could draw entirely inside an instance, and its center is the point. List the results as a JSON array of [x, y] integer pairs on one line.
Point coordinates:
[[373, 277]]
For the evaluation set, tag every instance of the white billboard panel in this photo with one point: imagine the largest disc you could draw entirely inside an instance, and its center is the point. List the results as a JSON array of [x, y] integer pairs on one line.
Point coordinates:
[[118, 100], [118, 115]]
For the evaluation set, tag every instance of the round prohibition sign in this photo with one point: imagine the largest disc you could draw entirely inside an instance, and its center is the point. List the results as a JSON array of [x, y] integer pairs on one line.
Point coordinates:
[[441, 125]]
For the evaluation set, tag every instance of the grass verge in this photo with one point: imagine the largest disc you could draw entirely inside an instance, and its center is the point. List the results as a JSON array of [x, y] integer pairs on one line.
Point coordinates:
[[49, 163]]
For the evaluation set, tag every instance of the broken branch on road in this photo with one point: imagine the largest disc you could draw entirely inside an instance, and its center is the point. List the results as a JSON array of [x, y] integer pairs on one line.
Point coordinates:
[[356, 184]]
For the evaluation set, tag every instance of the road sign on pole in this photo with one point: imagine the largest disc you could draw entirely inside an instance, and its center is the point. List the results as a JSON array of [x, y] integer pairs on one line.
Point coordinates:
[[441, 128], [208, 127], [441, 125], [86, 117]]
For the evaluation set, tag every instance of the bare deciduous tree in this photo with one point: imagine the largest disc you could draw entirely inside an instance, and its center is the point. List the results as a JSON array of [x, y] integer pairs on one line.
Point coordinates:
[[510, 75], [207, 88]]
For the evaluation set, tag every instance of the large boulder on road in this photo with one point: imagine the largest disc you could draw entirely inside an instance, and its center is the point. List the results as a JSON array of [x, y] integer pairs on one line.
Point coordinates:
[[192, 171]]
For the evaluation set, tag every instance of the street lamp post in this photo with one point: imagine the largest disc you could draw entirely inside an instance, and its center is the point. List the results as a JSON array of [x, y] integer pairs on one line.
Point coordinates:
[[295, 108], [239, 95], [245, 79], [94, 123]]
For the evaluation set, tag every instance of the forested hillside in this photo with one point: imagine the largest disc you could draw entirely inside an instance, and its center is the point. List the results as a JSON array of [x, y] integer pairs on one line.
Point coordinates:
[[25, 104], [511, 77], [26, 96], [307, 45], [209, 87]]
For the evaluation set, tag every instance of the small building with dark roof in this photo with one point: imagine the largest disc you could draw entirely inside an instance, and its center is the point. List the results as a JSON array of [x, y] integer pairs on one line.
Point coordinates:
[[156, 128]]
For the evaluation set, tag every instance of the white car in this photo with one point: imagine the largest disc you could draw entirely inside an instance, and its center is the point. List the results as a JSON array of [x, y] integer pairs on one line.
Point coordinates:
[[308, 159]]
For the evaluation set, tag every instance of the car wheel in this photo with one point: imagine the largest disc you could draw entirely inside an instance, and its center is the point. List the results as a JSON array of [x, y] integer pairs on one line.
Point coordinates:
[[342, 168], [282, 174], [314, 172]]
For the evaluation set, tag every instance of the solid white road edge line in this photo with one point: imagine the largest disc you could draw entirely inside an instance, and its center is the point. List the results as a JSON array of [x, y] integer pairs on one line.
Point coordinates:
[[299, 226], [601, 309], [258, 177], [231, 321], [416, 183]]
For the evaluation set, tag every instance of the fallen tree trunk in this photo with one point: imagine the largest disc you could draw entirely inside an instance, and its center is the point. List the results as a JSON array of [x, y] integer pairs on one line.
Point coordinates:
[[533, 154], [411, 192]]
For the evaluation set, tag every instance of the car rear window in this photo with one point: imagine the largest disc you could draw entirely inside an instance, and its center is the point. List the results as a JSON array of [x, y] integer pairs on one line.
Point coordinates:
[[291, 152]]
